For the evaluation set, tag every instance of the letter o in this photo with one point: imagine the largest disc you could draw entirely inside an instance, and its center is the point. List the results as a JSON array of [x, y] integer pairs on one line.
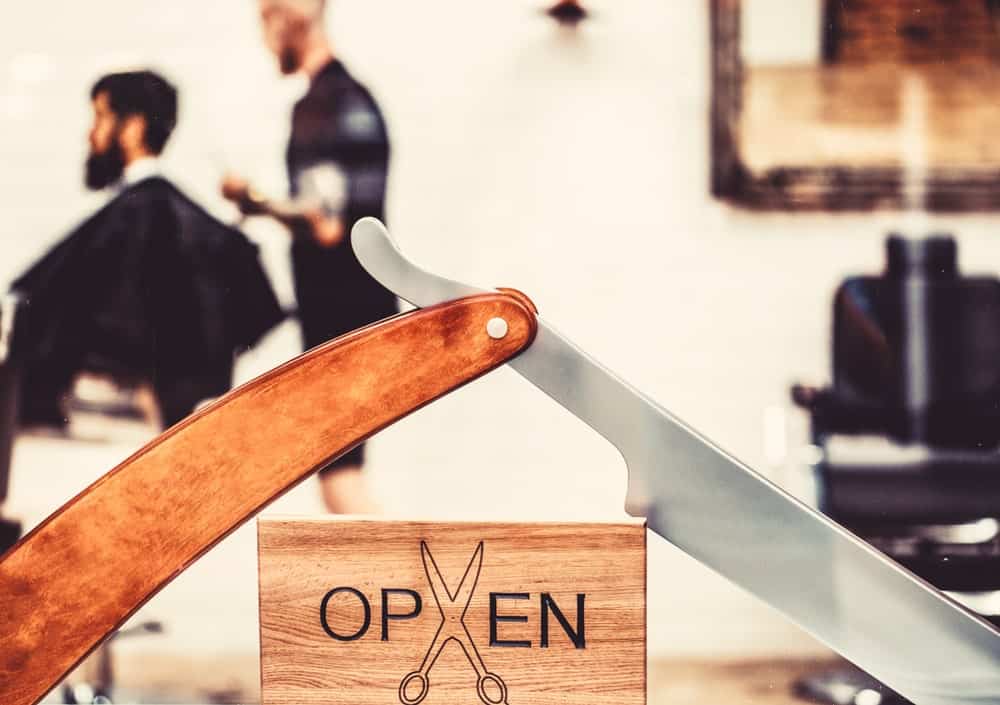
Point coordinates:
[[364, 625]]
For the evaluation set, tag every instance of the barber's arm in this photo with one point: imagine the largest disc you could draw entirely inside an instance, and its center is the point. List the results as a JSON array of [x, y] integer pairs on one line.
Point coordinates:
[[315, 215], [352, 172]]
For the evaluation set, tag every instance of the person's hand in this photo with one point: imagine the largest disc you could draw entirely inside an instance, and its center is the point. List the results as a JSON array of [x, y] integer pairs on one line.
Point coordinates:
[[326, 231], [234, 188], [238, 190]]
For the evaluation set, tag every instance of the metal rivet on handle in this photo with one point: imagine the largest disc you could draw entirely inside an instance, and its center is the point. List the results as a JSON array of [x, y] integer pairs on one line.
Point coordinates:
[[496, 328]]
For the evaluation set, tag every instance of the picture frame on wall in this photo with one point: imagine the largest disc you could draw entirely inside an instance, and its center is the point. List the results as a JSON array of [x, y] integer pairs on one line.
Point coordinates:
[[871, 106]]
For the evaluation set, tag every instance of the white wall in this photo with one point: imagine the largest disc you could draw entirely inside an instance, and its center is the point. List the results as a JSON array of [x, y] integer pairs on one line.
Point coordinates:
[[572, 167]]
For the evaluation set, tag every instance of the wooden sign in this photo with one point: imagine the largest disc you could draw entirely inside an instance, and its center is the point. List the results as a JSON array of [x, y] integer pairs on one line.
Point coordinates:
[[400, 613]]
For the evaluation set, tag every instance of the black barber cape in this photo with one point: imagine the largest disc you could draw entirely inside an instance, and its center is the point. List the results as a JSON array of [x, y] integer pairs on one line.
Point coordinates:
[[151, 288]]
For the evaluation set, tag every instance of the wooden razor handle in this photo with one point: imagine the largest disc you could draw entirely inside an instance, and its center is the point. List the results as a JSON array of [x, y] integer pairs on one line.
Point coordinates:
[[78, 576]]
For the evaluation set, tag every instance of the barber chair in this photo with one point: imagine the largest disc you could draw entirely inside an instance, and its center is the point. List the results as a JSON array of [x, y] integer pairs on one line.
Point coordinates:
[[908, 432], [10, 531], [97, 682], [93, 683]]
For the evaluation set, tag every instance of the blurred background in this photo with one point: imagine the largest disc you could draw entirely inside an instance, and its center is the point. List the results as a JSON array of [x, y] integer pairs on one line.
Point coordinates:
[[679, 186]]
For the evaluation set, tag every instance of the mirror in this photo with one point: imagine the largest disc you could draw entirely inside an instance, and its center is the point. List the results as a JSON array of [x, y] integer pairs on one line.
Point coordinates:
[[856, 105]]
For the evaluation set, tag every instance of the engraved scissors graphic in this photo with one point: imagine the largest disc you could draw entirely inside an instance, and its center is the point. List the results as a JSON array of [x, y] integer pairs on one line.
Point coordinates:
[[453, 609]]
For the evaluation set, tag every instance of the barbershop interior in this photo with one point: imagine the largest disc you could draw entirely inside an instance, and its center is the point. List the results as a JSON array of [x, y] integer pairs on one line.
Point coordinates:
[[778, 222]]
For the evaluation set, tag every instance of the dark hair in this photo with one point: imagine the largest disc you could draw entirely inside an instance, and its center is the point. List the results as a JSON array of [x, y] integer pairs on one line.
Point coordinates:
[[142, 93]]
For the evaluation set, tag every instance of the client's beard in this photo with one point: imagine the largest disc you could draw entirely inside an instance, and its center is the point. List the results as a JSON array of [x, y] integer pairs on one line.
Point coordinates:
[[289, 61], [104, 168]]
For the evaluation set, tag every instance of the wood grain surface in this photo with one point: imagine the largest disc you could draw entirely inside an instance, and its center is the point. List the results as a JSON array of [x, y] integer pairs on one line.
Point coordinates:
[[81, 573], [601, 662]]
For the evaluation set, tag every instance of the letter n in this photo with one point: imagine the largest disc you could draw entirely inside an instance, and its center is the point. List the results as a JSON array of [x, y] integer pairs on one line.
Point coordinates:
[[577, 636]]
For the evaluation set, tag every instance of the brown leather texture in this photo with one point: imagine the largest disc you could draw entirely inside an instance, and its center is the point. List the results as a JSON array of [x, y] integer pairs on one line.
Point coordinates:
[[520, 296], [78, 576]]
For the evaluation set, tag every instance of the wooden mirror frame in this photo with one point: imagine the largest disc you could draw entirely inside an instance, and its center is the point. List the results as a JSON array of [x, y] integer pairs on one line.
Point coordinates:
[[819, 188]]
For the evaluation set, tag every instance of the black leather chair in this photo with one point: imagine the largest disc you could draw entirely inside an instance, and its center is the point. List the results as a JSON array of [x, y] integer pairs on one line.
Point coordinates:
[[909, 430]]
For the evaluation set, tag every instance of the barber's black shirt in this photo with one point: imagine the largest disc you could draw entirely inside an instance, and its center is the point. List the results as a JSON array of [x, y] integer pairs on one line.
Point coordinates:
[[337, 157]]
